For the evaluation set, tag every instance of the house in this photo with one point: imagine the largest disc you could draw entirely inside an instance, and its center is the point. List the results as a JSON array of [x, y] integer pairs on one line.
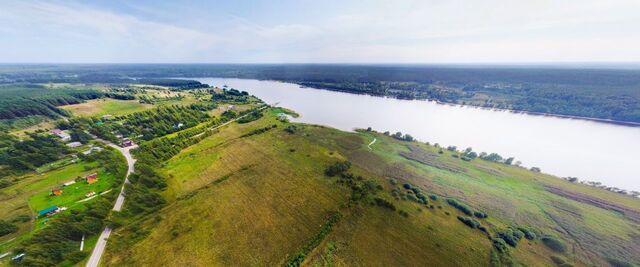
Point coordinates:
[[56, 191], [91, 150], [18, 257], [283, 116], [74, 144], [62, 134], [92, 178], [179, 125], [90, 194], [107, 117], [49, 211], [69, 183], [126, 142]]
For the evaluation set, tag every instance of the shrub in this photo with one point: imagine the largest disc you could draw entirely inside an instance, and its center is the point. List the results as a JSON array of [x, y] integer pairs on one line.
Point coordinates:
[[500, 245], [22, 218], [393, 181], [528, 233], [433, 197], [560, 262], [511, 236], [554, 243], [291, 129], [384, 203], [619, 263], [403, 213], [480, 214], [469, 221], [460, 206], [337, 168], [7, 228], [407, 186]]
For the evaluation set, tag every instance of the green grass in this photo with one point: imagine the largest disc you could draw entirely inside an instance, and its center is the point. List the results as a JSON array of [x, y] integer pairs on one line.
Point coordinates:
[[31, 192], [71, 194], [258, 200]]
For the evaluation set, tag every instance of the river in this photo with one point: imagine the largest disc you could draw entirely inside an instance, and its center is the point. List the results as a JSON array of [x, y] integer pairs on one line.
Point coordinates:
[[589, 150]]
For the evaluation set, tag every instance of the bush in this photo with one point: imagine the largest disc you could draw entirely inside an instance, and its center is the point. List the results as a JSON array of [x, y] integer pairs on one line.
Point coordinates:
[[469, 221], [460, 206], [560, 262], [337, 168], [619, 263], [480, 214], [554, 243], [433, 197], [528, 233], [7, 228], [511, 236], [500, 245], [22, 218], [384, 203], [291, 129]]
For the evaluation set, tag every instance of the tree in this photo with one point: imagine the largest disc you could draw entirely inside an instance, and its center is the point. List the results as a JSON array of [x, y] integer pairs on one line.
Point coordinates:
[[509, 161]]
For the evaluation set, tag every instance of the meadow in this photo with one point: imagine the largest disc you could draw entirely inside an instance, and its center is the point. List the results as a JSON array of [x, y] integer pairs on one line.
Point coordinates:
[[255, 194], [106, 106]]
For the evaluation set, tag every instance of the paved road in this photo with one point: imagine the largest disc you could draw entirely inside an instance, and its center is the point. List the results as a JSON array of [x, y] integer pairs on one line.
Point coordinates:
[[94, 260]]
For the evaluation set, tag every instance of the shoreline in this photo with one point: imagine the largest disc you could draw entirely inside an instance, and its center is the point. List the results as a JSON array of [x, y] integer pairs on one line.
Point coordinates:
[[517, 111]]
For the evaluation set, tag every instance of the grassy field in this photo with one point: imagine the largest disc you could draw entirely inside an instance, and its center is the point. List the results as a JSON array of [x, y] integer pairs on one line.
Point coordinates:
[[106, 106], [30, 193], [257, 200]]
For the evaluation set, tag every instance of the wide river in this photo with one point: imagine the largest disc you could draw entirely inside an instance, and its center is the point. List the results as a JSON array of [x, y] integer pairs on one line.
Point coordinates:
[[589, 150]]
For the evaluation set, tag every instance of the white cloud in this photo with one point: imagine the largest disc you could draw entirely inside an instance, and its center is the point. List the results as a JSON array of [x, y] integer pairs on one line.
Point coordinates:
[[385, 31]]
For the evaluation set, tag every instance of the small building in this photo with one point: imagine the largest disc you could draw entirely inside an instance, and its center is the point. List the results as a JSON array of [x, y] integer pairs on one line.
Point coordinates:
[[56, 191], [90, 194], [126, 142], [69, 183], [62, 134], [92, 178], [48, 211], [18, 257], [91, 150], [107, 117], [74, 144]]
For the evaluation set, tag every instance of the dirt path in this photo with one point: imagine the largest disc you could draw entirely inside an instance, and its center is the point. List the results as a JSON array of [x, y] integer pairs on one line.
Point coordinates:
[[372, 142]]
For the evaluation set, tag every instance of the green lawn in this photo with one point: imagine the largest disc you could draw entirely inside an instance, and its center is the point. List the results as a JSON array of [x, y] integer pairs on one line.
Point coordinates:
[[71, 194]]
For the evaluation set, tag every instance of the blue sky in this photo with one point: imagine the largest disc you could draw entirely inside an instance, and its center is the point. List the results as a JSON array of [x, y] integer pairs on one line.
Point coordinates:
[[427, 31]]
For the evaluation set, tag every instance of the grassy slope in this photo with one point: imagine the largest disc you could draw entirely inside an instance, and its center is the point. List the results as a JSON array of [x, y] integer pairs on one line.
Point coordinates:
[[252, 201]]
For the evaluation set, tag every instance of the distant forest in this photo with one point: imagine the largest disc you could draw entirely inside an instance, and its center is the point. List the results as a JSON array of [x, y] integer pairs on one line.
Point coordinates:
[[604, 93]]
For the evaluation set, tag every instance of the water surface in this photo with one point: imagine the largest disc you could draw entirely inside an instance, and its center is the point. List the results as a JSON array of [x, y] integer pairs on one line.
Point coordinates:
[[589, 150]]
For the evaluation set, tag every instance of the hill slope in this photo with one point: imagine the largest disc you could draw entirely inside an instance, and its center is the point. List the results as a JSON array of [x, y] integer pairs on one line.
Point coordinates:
[[255, 194]]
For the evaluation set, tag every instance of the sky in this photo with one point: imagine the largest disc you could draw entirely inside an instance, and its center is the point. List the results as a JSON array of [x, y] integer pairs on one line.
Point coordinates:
[[328, 31]]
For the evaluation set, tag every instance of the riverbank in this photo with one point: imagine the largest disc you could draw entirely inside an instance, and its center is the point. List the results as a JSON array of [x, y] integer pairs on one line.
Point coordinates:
[[517, 111]]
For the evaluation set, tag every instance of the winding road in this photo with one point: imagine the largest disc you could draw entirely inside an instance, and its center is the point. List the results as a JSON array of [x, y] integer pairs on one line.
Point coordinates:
[[94, 260], [96, 255]]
